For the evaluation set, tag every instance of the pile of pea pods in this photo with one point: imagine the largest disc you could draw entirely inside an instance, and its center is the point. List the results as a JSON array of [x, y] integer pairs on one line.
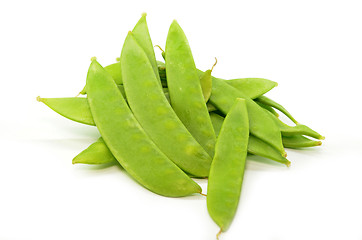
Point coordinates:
[[167, 122]]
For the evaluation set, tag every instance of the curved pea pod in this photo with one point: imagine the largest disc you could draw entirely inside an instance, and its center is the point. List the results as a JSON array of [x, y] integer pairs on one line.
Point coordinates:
[[260, 123], [253, 87], [151, 108], [227, 168], [96, 153], [267, 107], [299, 141], [73, 108], [141, 34], [128, 142], [185, 89], [299, 129], [255, 145], [267, 101]]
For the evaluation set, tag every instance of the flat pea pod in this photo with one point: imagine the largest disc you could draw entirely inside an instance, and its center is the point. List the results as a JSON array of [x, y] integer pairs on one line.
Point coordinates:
[[227, 168], [73, 108], [255, 145], [299, 129], [185, 90], [96, 153], [151, 108], [269, 102], [253, 87], [299, 141], [142, 36], [128, 142], [260, 124], [267, 107]]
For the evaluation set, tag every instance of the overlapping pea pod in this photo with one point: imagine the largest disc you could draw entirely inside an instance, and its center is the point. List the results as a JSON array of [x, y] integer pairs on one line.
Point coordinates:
[[77, 108], [127, 140], [228, 165], [141, 34], [98, 153], [255, 145], [154, 113], [185, 90], [261, 125]]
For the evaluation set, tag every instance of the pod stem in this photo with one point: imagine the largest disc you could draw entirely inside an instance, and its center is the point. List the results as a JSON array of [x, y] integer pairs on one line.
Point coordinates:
[[212, 68], [159, 47], [218, 234], [203, 194]]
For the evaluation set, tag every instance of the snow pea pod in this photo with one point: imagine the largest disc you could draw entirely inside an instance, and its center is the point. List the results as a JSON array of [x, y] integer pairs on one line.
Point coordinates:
[[255, 145], [151, 108], [206, 82], [267, 101], [96, 153], [299, 129], [299, 141], [127, 140], [227, 168], [73, 108], [261, 125], [185, 90], [253, 87]]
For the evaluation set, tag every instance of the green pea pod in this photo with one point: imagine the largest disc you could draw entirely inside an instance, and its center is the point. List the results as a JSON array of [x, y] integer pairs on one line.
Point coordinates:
[[227, 168], [267, 107], [261, 125], [156, 116], [73, 108], [185, 89], [299, 141], [141, 34], [267, 101], [299, 129], [127, 140], [253, 87], [96, 153], [255, 145]]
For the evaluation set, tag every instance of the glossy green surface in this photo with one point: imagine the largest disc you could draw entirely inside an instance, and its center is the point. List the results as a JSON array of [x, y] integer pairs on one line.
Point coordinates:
[[128, 142], [185, 90], [261, 125], [227, 168], [151, 108]]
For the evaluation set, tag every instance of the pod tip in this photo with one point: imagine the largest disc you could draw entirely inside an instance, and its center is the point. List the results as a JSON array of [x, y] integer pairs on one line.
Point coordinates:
[[288, 164], [93, 59], [118, 59], [39, 99], [203, 194], [218, 234], [318, 143], [322, 137], [144, 14]]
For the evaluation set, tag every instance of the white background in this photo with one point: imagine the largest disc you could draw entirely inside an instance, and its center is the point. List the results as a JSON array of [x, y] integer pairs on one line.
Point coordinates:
[[312, 48]]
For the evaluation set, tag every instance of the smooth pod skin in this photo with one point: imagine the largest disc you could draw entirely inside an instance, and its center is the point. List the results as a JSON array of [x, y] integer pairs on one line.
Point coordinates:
[[185, 90], [299, 141], [253, 87], [267, 101], [267, 107], [141, 34], [299, 129], [255, 145], [74, 108], [128, 142], [96, 153], [151, 108], [261, 125], [227, 168]]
